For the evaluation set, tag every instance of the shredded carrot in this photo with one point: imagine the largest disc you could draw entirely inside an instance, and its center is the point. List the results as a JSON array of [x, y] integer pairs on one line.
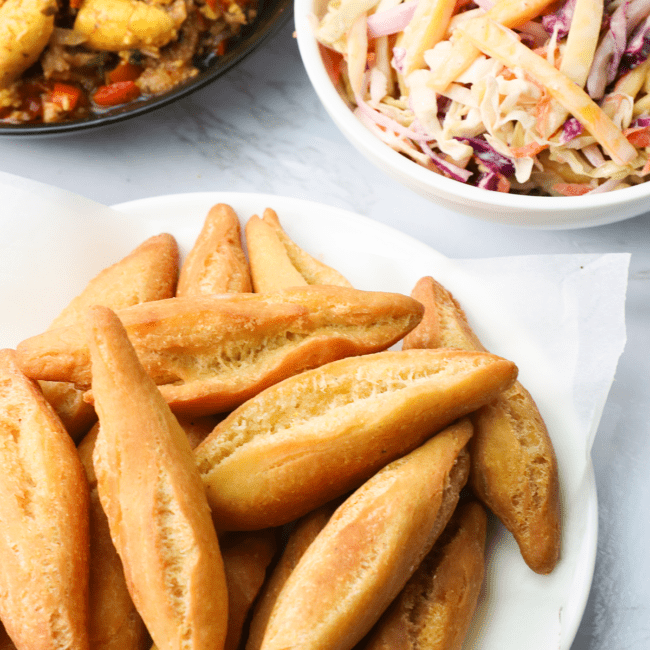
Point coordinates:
[[543, 111], [528, 150], [572, 189]]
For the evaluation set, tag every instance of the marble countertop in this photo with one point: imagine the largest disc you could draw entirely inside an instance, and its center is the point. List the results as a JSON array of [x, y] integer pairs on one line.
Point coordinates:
[[262, 129]]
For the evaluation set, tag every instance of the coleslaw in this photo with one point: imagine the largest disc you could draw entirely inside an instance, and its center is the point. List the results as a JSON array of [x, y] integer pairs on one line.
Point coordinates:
[[523, 96]]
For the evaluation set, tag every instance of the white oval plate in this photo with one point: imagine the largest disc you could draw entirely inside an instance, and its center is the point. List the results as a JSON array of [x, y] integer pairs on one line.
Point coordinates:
[[518, 608]]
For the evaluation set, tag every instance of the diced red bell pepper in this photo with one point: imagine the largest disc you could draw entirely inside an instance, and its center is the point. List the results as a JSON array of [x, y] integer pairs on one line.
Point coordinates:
[[638, 137], [124, 71], [65, 96], [116, 93]]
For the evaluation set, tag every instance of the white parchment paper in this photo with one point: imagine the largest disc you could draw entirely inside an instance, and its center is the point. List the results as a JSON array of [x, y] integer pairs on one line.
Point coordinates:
[[559, 317]]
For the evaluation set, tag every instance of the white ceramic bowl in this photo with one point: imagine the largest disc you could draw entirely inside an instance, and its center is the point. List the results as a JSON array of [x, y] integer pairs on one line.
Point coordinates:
[[527, 211]]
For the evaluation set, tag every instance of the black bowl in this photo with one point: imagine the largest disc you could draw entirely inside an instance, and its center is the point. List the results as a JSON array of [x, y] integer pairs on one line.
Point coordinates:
[[272, 16]]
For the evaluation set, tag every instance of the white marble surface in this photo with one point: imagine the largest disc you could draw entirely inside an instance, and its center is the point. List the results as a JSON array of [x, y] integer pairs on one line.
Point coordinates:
[[261, 129]]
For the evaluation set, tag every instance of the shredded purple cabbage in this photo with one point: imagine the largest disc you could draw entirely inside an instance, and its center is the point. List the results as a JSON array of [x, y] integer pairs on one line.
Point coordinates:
[[560, 20], [570, 129], [488, 181], [638, 47], [625, 45], [444, 167], [641, 121], [443, 106], [453, 171], [491, 158]]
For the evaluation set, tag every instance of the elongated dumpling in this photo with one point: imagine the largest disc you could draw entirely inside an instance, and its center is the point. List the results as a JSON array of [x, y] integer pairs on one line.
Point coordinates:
[[208, 354], [153, 497], [44, 515], [316, 436], [370, 547]]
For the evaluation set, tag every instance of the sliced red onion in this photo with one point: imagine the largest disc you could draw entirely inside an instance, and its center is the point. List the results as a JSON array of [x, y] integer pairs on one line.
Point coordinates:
[[392, 20], [605, 60], [489, 156], [417, 134], [385, 121], [594, 155], [637, 10], [570, 129]]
